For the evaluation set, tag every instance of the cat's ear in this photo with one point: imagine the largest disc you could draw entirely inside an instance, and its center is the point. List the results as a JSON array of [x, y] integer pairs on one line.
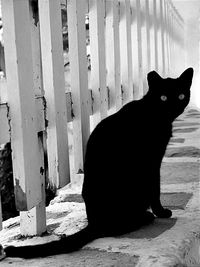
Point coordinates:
[[186, 77], [153, 77]]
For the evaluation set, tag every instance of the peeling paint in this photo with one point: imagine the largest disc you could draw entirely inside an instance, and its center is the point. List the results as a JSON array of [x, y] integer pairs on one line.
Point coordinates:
[[9, 120], [34, 4], [72, 111], [41, 170], [80, 171], [20, 197], [44, 102]]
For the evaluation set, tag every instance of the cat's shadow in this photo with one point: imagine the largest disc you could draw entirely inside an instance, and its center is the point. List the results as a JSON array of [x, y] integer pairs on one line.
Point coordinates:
[[153, 230]]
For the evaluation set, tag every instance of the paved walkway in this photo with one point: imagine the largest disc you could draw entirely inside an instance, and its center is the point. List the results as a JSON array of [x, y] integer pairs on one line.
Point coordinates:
[[167, 242]]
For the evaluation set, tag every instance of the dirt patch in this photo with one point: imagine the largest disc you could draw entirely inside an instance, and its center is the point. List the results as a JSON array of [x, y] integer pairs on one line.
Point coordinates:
[[192, 110], [183, 124], [179, 172], [175, 201], [184, 130], [187, 151], [193, 115], [177, 140]]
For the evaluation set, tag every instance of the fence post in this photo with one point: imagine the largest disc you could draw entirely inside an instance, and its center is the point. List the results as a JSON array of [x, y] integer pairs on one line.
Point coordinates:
[[76, 11], [126, 50], [33, 222], [54, 87], [98, 59], [20, 85]]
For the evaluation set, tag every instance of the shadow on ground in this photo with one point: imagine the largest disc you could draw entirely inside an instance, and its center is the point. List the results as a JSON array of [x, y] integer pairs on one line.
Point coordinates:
[[158, 227]]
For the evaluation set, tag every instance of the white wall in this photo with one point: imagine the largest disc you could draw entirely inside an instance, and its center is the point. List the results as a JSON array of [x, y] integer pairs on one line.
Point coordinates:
[[190, 11]]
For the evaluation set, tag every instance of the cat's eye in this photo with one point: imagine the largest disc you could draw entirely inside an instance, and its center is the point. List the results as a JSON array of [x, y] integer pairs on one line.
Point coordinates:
[[181, 96], [163, 98]]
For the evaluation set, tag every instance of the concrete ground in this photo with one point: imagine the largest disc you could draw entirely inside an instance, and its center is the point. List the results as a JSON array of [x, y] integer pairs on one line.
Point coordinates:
[[166, 242]]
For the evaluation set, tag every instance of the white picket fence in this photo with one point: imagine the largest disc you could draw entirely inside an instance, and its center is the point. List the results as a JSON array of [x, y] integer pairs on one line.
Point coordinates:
[[127, 39]]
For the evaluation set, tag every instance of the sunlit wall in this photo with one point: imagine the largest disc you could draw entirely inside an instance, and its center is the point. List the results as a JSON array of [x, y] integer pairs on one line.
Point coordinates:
[[190, 11]]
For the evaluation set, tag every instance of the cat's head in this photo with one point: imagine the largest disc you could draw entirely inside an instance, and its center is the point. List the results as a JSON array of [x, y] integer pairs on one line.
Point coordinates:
[[170, 96]]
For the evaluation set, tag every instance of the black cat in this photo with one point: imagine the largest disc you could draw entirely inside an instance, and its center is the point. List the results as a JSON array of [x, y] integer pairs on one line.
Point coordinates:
[[122, 167]]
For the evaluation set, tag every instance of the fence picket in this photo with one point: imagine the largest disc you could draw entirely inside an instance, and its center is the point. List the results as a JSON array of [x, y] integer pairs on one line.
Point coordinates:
[[144, 44], [54, 87], [163, 44], [165, 40], [110, 57], [155, 33], [159, 36], [113, 55], [117, 62], [79, 79], [136, 49], [98, 59], [126, 51], [148, 22]]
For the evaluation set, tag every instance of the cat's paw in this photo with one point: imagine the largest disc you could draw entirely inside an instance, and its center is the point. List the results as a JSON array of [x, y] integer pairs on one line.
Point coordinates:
[[164, 213]]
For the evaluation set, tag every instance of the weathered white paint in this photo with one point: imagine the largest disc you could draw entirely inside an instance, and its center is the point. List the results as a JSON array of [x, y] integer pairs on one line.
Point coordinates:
[[166, 37], [152, 36], [98, 59], [20, 85], [163, 44], [148, 22], [136, 50], [117, 62], [110, 57], [113, 55], [126, 51], [54, 87], [79, 79], [40, 115], [4, 122], [140, 55], [3, 91], [33, 222], [159, 37], [144, 43], [36, 53], [155, 16]]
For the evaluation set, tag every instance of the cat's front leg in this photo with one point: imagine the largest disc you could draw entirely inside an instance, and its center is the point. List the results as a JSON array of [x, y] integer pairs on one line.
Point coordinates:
[[156, 205]]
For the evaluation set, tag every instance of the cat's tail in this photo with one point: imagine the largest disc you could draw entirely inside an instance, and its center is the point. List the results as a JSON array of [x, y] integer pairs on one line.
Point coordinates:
[[66, 244]]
